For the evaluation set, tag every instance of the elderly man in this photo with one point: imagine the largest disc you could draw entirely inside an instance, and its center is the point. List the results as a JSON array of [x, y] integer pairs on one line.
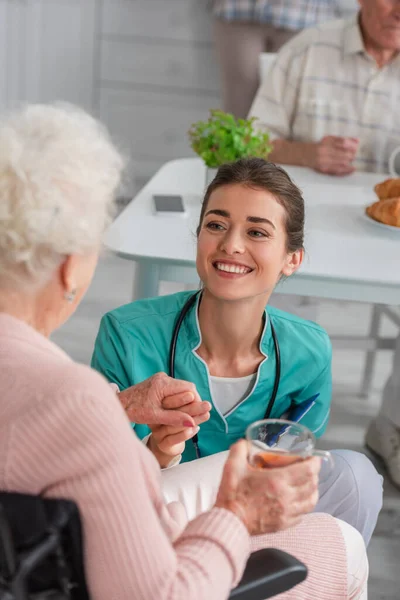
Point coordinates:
[[331, 99], [245, 28], [331, 103]]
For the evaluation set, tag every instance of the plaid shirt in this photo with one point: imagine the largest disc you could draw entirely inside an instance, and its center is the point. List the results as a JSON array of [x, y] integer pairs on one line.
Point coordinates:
[[288, 14], [301, 99]]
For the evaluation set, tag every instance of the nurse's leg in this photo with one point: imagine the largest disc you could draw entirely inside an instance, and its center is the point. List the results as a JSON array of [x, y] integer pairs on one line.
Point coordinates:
[[351, 491], [341, 566], [194, 484]]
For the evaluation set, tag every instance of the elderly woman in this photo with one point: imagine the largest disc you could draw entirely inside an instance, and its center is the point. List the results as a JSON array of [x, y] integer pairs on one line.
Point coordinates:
[[65, 434]]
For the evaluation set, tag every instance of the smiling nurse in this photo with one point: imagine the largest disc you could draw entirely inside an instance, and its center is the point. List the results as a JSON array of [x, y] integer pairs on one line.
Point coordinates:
[[246, 359]]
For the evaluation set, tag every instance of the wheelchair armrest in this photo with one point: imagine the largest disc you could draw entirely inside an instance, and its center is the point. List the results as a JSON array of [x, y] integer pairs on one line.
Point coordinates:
[[269, 572]]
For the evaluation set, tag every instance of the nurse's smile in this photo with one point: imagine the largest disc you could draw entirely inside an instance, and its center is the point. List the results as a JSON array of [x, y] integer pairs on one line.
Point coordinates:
[[231, 269]]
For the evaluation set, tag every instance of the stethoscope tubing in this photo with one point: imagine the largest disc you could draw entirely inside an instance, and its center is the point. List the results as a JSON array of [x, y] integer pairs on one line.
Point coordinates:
[[172, 352]]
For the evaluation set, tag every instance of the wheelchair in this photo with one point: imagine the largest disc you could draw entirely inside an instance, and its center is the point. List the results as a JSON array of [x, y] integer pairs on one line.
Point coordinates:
[[41, 555]]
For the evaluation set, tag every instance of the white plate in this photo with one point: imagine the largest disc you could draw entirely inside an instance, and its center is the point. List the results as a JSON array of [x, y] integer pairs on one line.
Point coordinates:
[[381, 225]]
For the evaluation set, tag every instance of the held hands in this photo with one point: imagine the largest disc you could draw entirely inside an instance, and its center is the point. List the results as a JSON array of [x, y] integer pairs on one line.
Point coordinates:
[[168, 442], [147, 403], [173, 410], [333, 155], [267, 500]]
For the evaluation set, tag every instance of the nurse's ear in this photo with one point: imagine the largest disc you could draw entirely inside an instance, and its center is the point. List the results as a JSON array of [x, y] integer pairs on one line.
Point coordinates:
[[293, 261]]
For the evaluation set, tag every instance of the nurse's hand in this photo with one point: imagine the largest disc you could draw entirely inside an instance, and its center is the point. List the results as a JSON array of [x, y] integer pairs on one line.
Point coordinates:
[[144, 402], [167, 443], [271, 499]]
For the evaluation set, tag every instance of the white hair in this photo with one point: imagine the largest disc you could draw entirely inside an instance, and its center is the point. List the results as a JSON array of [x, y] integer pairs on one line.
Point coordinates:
[[59, 173]]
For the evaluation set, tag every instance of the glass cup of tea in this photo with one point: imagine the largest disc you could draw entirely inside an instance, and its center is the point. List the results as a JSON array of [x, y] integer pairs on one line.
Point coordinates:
[[278, 443]]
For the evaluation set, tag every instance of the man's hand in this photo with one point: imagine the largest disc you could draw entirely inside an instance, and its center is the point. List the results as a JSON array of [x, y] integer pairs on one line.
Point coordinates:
[[267, 500], [333, 155], [151, 401], [167, 442]]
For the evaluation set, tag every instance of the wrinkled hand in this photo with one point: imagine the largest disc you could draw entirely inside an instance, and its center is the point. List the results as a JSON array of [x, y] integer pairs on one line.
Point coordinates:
[[334, 155], [147, 403], [167, 442], [267, 500]]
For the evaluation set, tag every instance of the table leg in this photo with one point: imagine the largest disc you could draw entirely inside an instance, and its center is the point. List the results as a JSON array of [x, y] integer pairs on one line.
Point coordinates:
[[371, 354], [146, 280]]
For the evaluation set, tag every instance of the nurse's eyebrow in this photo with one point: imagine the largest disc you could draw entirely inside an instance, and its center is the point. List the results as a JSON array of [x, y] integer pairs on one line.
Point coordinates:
[[225, 213], [260, 220], [219, 212]]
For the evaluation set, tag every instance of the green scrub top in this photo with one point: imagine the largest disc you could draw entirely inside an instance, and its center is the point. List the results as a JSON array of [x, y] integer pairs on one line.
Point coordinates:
[[133, 344]]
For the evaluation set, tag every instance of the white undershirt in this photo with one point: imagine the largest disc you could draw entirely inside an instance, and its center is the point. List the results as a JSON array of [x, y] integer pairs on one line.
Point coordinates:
[[227, 392]]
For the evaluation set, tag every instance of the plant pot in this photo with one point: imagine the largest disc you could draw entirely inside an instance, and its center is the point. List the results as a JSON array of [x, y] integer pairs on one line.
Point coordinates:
[[210, 174]]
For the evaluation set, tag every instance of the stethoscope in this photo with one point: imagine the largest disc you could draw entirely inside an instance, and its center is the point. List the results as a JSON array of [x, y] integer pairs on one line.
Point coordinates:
[[174, 339]]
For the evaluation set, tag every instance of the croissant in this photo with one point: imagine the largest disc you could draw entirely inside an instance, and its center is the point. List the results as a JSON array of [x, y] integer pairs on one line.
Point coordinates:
[[390, 188], [385, 211]]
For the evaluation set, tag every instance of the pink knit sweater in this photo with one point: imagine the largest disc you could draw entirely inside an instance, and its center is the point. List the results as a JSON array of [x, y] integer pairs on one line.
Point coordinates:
[[64, 434]]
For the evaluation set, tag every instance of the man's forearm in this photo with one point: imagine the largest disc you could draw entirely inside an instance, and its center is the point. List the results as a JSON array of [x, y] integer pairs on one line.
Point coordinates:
[[293, 153]]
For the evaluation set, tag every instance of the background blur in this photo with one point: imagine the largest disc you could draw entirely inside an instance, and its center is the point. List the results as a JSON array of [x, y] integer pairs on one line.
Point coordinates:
[[147, 69]]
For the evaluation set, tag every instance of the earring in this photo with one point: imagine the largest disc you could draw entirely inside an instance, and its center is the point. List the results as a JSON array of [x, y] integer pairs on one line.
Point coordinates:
[[70, 296]]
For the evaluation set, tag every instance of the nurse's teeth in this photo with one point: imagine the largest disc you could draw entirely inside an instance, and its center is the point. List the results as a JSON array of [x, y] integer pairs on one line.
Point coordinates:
[[232, 268]]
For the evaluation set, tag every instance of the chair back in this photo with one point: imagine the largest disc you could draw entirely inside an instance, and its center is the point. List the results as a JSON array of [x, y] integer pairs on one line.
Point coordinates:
[[264, 63], [40, 549]]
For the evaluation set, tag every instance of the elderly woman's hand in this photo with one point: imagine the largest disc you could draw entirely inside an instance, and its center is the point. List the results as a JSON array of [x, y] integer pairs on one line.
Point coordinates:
[[267, 500], [150, 402]]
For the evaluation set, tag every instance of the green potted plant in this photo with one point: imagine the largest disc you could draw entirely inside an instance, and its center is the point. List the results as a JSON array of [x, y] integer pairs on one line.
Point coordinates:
[[222, 139]]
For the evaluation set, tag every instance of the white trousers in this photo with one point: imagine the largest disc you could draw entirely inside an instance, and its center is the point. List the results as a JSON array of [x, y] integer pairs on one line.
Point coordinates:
[[195, 486]]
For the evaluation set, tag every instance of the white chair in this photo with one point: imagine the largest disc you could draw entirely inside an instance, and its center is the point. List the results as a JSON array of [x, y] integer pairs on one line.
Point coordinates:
[[265, 61], [373, 342]]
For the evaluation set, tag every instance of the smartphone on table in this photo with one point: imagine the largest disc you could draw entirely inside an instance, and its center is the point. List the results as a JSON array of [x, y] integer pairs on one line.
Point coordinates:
[[169, 205]]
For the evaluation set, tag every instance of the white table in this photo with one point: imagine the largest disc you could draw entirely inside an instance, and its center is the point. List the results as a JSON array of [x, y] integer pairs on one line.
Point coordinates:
[[347, 257]]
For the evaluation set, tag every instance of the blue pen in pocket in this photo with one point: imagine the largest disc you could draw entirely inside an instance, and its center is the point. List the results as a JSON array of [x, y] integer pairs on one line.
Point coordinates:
[[295, 414]]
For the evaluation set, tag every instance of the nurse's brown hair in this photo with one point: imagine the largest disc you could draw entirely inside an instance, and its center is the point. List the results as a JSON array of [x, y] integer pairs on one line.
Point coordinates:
[[258, 173]]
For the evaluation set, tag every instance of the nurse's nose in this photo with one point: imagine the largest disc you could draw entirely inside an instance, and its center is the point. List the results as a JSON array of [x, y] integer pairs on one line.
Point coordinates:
[[232, 242]]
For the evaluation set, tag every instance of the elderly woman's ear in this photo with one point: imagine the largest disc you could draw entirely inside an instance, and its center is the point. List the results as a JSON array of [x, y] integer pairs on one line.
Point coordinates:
[[75, 275]]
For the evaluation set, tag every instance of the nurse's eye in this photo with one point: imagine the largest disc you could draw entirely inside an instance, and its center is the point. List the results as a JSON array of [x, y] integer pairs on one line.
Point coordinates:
[[256, 233], [213, 226]]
